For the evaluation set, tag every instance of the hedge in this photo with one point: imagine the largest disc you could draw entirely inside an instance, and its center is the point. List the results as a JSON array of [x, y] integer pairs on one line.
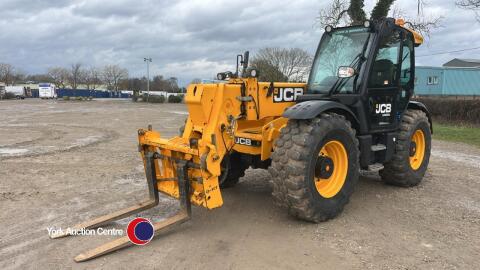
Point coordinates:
[[153, 98], [66, 98], [175, 99], [453, 110], [162, 99]]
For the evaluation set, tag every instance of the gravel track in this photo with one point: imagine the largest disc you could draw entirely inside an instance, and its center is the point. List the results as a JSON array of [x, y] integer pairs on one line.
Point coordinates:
[[80, 160]]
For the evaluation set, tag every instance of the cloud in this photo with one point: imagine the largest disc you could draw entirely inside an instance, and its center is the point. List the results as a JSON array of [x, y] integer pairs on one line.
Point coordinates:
[[186, 38]]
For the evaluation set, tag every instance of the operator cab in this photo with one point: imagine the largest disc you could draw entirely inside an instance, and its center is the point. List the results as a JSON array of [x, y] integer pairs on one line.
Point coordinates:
[[369, 68]]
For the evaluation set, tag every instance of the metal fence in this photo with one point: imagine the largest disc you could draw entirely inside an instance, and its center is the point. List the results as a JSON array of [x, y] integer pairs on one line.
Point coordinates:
[[90, 93]]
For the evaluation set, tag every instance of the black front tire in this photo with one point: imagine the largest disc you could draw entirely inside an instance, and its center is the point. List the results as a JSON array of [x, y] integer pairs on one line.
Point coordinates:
[[293, 166], [399, 171]]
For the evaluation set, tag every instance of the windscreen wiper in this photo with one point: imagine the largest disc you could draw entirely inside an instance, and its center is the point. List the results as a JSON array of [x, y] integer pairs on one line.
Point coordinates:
[[356, 61], [340, 82]]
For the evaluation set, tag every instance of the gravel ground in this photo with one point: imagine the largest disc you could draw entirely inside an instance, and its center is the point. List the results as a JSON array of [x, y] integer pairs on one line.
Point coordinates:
[[63, 162]]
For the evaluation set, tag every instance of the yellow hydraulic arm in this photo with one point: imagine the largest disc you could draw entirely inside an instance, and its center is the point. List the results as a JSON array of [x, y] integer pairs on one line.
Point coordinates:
[[219, 114]]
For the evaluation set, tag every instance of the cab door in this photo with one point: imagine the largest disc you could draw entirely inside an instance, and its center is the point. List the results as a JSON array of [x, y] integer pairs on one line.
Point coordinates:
[[390, 81]]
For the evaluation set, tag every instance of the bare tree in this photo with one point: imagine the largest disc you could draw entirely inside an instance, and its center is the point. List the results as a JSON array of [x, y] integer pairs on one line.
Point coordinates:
[[113, 75], [470, 5], [335, 15], [59, 76], [196, 81], [351, 12], [267, 72], [135, 84], [82, 78], [158, 83], [18, 76], [75, 76], [424, 24], [39, 78], [92, 78], [293, 63], [172, 84], [7, 73]]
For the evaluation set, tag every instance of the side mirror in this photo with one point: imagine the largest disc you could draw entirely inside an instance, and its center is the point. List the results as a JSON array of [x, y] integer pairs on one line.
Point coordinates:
[[346, 72]]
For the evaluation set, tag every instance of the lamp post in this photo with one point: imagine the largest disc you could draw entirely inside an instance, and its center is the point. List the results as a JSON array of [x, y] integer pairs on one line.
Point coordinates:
[[148, 61]]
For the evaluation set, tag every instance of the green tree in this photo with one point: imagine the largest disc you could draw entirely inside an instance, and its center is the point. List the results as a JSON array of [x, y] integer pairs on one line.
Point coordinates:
[[356, 12], [381, 9]]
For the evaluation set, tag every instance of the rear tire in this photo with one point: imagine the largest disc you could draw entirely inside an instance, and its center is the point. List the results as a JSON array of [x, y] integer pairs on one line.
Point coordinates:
[[299, 180], [412, 152], [233, 168]]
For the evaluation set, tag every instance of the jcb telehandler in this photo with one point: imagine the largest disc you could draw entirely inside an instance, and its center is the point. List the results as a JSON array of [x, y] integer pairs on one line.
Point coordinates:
[[354, 114]]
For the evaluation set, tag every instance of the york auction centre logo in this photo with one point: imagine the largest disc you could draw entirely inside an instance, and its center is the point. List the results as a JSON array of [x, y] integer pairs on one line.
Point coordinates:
[[140, 231]]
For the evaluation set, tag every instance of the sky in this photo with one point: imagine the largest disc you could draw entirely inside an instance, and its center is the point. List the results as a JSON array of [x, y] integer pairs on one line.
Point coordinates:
[[189, 38]]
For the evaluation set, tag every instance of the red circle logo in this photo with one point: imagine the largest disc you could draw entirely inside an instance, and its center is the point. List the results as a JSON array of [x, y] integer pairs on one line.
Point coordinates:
[[140, 231]]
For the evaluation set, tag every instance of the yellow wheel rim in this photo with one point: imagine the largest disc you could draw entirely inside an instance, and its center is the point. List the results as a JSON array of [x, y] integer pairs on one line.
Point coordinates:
[[330, 186], [418, 152]]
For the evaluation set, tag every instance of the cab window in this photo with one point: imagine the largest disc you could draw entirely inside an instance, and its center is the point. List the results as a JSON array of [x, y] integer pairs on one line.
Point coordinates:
[[384, 71], [406, 69]]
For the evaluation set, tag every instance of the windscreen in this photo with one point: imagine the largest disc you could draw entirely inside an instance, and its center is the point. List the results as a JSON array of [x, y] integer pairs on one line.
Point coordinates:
[[340, 48]]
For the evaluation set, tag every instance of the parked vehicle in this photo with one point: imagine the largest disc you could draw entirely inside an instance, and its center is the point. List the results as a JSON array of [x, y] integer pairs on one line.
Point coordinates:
[[354, 113], [18, 91], [47, 90], [2, 90]]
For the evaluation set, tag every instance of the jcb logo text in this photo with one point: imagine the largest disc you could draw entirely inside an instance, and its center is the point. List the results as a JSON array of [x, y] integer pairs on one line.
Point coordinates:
[[383, 108], [287, 94], [243, 141]]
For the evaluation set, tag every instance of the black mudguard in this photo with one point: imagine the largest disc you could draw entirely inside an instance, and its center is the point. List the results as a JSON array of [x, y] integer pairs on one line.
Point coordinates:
[[415, 105], [312, 108]]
